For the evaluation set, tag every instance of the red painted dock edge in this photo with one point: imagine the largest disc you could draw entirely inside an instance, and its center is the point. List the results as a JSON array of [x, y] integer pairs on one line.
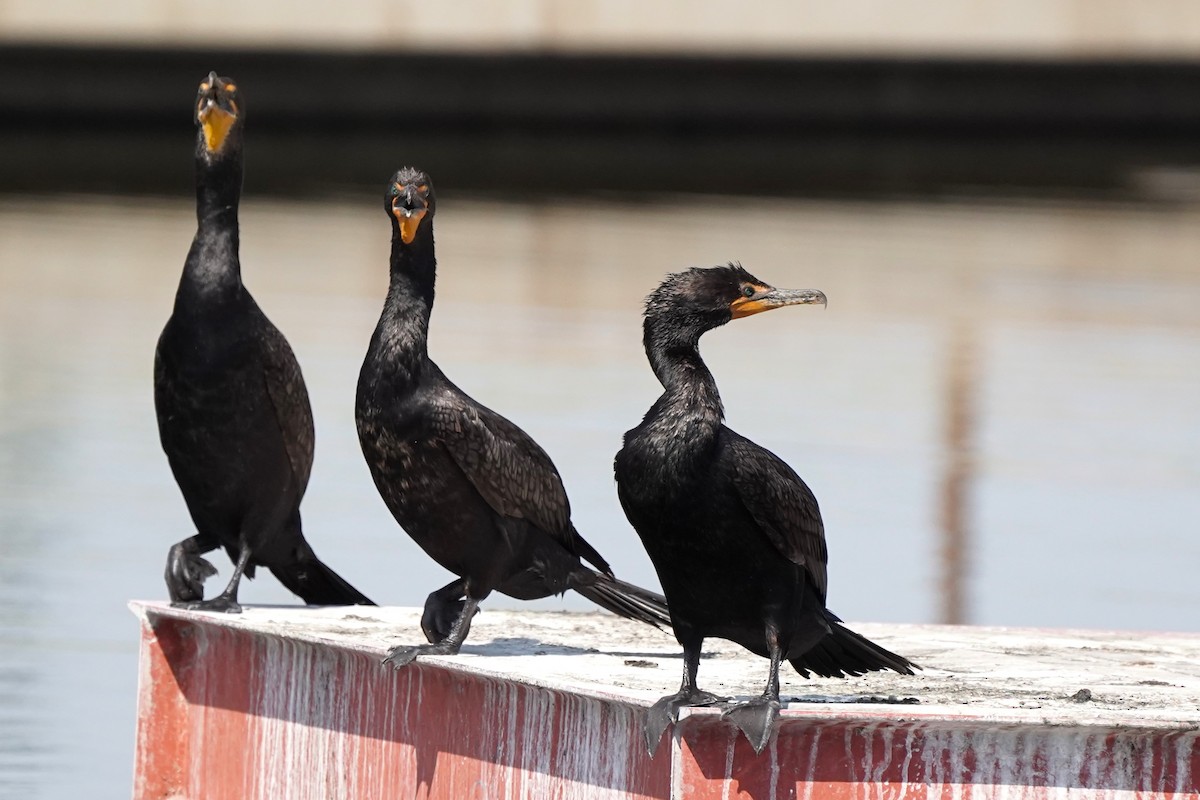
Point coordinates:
[[216, 720], [237, 713]]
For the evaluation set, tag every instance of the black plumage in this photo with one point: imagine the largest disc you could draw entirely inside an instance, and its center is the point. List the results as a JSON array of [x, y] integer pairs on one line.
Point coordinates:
[[470, 487], [734, 533], [233, 412]]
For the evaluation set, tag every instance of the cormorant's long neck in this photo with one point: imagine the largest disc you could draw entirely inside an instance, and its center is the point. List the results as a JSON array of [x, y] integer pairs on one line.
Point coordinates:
[[212, 265], [218, 179], [403, 330], [416, 261], [690, 405]]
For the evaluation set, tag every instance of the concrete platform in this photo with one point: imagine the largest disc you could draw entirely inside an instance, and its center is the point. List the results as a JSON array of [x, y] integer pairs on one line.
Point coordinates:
[[291, 702]]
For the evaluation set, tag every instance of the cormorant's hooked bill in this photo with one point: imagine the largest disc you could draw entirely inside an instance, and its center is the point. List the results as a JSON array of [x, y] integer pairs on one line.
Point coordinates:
[[216, 110], [756, 298]]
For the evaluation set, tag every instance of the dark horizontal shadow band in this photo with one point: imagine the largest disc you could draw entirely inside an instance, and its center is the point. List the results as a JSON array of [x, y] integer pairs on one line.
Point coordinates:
[[322, 121]]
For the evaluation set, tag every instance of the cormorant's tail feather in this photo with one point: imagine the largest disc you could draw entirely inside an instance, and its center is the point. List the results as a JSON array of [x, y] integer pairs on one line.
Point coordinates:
[[843, 653], [318, 585], [624, 599], [585, 551]]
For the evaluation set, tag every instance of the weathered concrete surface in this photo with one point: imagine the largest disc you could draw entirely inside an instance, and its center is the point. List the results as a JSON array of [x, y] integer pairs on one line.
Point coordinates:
[[291, 702]]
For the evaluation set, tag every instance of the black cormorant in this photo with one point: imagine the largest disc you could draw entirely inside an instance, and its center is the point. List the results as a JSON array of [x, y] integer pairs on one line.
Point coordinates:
[[233, 412], [471, 488], [734, 533]]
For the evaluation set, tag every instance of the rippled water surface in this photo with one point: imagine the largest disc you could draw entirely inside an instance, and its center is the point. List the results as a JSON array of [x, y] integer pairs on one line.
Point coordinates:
[[999, 410]]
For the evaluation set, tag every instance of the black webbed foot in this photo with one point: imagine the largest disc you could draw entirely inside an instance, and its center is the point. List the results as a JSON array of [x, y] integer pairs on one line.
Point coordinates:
[[666, 712], [756, 719], [403, 655], [439, 617], [185, 575], [218, 603]]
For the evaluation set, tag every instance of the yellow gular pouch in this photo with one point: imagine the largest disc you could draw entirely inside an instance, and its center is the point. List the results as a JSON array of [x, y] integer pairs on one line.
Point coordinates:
[[216, 122], [409, 222], [745, 306]]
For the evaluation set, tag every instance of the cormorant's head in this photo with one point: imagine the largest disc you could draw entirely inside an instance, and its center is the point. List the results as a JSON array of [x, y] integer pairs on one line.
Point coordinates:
[[409, 200], [702, 298], [219, 112]]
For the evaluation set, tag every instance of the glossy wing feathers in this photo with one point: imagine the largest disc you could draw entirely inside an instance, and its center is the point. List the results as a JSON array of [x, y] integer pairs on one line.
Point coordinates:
[[508, 469], [783, 506], [289, 396]]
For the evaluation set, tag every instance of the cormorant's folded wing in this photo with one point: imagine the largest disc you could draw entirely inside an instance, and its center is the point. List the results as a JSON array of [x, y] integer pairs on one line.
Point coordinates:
[[289, 396], [507, 467], [783, 506]]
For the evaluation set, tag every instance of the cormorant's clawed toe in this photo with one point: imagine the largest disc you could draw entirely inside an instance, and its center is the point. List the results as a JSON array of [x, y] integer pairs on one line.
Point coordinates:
[[666, 712], [756, 719], [403, 655], [185, 575], [183, 592], [218, 603], [658, 718]]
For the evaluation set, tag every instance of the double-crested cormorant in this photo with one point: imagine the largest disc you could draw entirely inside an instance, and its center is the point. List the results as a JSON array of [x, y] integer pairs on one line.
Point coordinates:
[[233, 412], [471, 488], [735, 535]]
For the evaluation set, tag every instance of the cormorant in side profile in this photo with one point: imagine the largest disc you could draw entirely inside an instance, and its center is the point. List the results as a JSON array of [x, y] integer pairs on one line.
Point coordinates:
[[471, 488], [735, 535], [233, 412]]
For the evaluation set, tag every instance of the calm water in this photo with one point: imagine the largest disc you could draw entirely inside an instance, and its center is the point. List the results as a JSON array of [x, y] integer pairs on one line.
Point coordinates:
[[999, 410]]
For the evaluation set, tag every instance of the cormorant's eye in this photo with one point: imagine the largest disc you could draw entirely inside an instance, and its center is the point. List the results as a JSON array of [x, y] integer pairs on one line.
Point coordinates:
[[747, 291]]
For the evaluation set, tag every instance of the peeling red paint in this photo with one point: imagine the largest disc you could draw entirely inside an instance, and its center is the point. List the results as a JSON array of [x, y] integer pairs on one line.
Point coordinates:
[[163, 748], [224, 713], [894, 758]]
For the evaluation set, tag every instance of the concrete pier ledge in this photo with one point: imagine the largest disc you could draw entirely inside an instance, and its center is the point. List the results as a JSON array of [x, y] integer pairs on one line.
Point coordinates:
[[292, 703]]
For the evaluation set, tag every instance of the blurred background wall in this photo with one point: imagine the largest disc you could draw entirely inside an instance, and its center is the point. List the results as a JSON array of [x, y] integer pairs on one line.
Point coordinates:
[[1049, 28]]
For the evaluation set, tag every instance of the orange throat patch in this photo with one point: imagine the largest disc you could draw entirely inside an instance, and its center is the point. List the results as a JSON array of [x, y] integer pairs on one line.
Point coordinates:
[[409, 222], [216, 123]]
